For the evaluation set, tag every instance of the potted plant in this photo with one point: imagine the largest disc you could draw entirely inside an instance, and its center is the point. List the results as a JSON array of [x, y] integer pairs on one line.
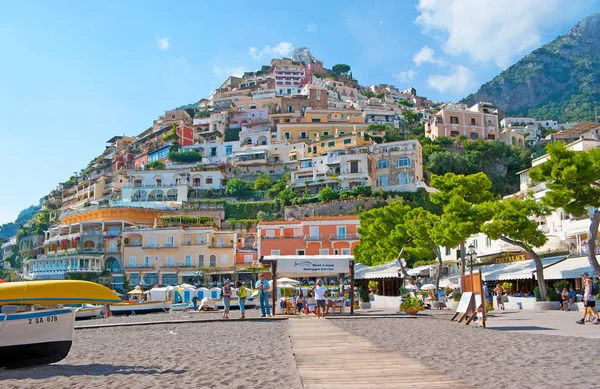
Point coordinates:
[[411, 306], [365, 302]]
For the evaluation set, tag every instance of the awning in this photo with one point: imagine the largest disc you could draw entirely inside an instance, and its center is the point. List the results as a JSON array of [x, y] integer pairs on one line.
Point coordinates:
[[521, 270], [250, 153], [385, 270], [569, 268], [419, 270]]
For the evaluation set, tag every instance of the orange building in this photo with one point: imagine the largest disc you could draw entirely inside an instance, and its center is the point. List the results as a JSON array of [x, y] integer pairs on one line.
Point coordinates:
[[331, 235]]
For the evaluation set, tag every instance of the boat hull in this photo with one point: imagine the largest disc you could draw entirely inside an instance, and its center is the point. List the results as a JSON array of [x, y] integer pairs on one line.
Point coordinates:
[[35, 337], [141, 308], [55, 292], [88, 313]]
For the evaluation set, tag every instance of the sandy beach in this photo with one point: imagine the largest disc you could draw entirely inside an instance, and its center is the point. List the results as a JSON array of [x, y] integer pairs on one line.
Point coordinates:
[[237, 355], [487, 358]]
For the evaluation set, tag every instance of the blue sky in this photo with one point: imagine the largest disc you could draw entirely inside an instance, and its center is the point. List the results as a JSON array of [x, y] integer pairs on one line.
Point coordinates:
[[75, 73]]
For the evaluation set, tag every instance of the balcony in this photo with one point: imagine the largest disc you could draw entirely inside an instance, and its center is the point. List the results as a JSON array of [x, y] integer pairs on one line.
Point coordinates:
[[138, 266], [283, 237], [313, 238], [133, 245], [168, 246], [150, 246], [221, 245], [155, 186], [168, 266], [92, 233], [202, 243], [353, 171], [345, 237]]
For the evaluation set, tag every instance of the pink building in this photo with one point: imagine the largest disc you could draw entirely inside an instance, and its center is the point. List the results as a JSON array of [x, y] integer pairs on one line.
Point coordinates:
[[477, 122]]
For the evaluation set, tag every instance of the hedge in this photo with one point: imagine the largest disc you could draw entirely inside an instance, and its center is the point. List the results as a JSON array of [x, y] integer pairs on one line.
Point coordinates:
[[185, 156], [249, 210]]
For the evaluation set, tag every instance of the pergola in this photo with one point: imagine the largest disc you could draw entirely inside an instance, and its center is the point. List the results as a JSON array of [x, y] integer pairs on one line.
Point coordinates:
[[311, 266]]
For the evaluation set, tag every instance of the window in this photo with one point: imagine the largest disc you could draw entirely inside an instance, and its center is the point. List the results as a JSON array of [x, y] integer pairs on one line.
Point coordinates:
[[488, 241], [383, 181], [213, 151], [454, 133], [303, 135], [289, 108], [315, 134], [188, 260], [453, 119], [475, 243], [448, 252], [212, 260], [331, 144], [248, 258], [323, 251], [131, 261], [404, 178], [170, 241], [345, 251], [347, 141], [287, 135], [383, 164], [314, 231], [325, 133], [473, 122], [491, 137], [158, 182], [270, 233], [147, 261], [152, 241], [315, 120], [306, 164], [275, 252], [135, 241], [200, 260], [403, 162], [341, 231], [214, 127], [224, 259], [309, 149], [300, 252], [336, 252], [489, 123], [209, 181], [114, 231], [342, 132], [228, 150], [354, 167]]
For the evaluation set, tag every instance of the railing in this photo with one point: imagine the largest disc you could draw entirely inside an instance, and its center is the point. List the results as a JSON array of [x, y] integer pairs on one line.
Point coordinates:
[[313, 238], [350, 171], [168, 265], [150, 246], [133, 245], [283, 237], [137, 266], [165, 185], [91, 233], [168, 246], [193, 243], [344, 237], [221, 245]]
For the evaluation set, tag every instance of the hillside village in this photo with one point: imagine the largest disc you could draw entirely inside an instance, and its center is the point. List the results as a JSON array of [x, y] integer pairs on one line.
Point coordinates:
[[278, 161]]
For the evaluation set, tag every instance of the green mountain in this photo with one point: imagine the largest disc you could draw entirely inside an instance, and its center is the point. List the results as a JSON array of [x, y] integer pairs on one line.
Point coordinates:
[[560, 80], [10, 229]]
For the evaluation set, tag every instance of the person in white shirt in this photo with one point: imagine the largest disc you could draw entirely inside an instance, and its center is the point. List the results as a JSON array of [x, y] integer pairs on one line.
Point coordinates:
[[320, 290]]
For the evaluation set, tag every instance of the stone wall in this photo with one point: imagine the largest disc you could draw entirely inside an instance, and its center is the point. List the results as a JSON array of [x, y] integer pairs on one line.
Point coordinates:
[[336, 208]]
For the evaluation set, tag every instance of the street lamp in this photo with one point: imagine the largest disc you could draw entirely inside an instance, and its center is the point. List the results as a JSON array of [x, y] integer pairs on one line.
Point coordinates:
[[469, 256]]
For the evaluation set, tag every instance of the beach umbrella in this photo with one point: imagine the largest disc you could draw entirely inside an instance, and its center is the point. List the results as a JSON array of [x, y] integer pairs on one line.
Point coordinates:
[[427, 287], [285, 280]]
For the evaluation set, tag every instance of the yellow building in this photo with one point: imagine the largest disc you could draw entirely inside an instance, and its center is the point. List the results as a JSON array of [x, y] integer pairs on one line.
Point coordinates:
[[329, 116], [172, 255]]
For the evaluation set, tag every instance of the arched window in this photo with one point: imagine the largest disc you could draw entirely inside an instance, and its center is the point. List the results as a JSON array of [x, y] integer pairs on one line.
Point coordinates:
[[383, 164], [403, 162], [404, 178], [212, 260]]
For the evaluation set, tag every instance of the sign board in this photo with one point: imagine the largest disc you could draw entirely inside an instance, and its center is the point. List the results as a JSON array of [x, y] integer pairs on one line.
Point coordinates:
[[314, 266], [465, 300]]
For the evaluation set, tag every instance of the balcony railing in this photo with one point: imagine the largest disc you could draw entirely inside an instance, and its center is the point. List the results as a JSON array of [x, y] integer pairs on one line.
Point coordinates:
[[344, 237], [133, 245], [154, 186], [308, 238], [283, 237], [168, 246], [193, 243], [168, 265], [221, 245], [137, 266], [355, 171], [150, 246]]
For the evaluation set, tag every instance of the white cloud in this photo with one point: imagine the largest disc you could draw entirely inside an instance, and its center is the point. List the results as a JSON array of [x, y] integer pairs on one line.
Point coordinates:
[[488, 30], [163, 43], [427, 55], [281, 50], [405, 76], [459, 81], [312, 28], [226, 71]]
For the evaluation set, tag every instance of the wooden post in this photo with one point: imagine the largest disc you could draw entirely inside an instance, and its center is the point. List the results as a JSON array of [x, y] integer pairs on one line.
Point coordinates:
[[274, 267], [352, 287]]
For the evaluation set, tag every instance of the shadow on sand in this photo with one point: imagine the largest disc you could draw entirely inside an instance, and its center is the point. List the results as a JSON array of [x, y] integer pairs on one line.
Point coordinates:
[[522, 328], [94, 369]]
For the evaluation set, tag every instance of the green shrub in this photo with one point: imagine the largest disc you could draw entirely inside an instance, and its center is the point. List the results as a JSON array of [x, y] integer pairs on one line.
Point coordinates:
[[249, 210], [562, 284], [363, 295], [185, 156], [456, 295], [156, 165]]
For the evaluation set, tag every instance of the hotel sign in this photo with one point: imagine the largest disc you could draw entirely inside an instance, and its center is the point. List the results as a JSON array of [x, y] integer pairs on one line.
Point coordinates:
[[511, 258], [313, 266]]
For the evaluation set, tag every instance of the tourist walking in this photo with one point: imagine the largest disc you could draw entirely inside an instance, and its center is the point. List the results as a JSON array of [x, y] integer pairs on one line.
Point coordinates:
[[499, 293], [242, 294], [589, 298], [227, 292], [263, 294], [320, 290]]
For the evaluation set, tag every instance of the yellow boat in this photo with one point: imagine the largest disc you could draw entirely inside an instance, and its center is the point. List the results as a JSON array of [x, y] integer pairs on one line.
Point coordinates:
[[55, 292]]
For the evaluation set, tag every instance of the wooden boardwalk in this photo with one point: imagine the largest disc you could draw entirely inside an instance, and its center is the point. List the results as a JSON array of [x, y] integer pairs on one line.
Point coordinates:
[[330, 357]]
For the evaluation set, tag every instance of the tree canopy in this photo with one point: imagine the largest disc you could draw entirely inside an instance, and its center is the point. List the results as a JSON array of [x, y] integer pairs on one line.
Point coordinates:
[[340, 68]]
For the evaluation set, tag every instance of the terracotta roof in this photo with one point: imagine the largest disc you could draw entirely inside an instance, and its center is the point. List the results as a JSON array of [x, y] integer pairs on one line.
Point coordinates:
[[577, 130]]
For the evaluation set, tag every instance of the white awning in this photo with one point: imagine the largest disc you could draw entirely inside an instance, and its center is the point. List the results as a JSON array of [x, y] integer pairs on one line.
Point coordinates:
[[385, 270], [419, 270], [521, 270], [568, 269]]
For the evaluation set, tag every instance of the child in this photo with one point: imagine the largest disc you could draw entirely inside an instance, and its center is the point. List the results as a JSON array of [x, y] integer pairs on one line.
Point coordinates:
[[242, 294], [311, 303]]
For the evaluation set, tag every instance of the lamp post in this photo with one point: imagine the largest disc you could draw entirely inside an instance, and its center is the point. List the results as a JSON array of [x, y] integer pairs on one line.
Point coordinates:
[[471, 254]]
